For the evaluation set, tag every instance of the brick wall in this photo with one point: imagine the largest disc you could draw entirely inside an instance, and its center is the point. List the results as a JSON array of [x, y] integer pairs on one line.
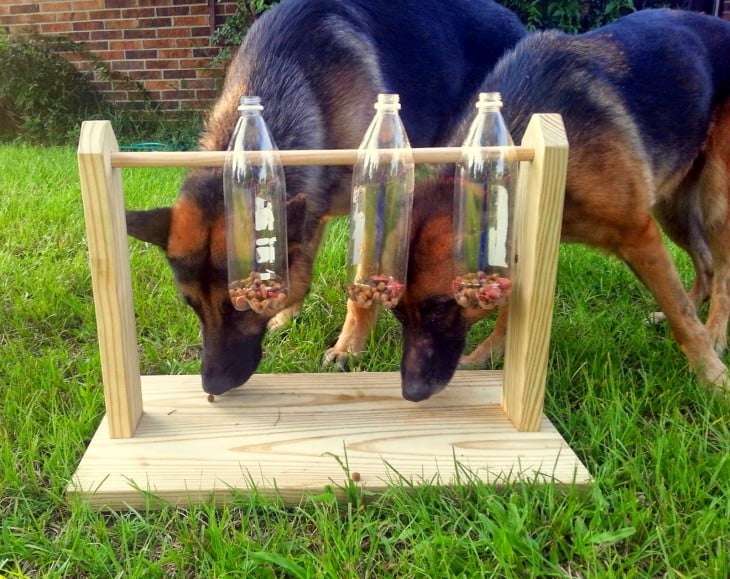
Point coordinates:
[[163, 44]]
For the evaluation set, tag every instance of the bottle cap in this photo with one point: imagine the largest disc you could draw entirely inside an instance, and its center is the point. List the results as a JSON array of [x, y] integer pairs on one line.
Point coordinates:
[[387, 102], [492, 99], [250, 103]]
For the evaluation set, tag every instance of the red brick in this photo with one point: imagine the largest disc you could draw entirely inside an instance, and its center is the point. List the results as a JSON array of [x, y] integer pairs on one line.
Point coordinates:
[[125, 44], [160, 64], [206, 52], [105, 34], [178, 74], [25, 8], [174, 53], [138, 12], [194, 63], [158, 85], [198, 20], [57, 6], [88, 25], [202, 31], [121, 24], [172, 33], [96, 46], [106, 14], [56, 27], [202, 83], [172, 11], [140, 54], [126, 65], [207, 95], [148, 74], [155, 22], [140, 33], [107, 55]]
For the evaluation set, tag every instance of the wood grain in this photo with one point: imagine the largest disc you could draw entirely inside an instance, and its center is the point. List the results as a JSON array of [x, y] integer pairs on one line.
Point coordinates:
[[300, 157], [537, 224], [106, 234], [288, 435]]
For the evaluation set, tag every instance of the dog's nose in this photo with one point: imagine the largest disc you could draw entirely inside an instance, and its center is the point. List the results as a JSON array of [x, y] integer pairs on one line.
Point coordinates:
[[418, 390], [218, 383]]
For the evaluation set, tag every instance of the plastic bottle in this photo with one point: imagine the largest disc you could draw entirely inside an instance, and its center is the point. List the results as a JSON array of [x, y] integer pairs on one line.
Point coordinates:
[[484, 187], [382, 200], [255, 206]]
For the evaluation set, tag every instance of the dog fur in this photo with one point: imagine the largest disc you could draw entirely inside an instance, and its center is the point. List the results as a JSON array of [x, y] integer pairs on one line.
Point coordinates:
[[646, 106], [318, 66]]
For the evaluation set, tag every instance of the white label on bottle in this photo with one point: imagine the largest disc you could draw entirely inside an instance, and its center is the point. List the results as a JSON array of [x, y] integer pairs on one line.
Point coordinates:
[[266, 250], [498, 226], [264, 215], [358, 236]]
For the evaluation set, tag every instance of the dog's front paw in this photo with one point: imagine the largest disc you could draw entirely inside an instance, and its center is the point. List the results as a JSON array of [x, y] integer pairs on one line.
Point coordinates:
[[338, 359], [284, 318], [485, 354]]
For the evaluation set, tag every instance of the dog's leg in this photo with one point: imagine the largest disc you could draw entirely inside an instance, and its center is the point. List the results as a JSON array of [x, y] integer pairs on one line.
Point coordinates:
[[717, 319], [644, 251], [492, 349], [359, 322], [715, 187], [284, 317]]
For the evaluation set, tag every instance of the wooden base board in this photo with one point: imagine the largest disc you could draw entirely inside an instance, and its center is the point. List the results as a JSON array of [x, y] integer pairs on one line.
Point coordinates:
[[293, 435]]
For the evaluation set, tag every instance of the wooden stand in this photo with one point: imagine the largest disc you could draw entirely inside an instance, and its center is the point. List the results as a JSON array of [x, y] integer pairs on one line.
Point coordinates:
[[297, 434]]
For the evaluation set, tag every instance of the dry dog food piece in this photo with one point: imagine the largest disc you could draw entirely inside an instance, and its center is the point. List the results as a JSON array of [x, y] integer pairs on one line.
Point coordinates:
[[478, 289], [211, 398], [263, 296], [378, 289]]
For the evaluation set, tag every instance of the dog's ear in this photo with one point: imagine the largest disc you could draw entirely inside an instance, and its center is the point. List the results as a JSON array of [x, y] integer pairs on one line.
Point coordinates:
[[152, 225]]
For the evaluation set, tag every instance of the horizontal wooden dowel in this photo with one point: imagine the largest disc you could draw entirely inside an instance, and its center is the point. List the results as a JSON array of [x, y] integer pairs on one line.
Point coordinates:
[[296, 157]]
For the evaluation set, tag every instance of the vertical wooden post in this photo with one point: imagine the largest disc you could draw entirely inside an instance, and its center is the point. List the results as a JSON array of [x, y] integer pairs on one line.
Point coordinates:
[[101, 188], [538, 219]]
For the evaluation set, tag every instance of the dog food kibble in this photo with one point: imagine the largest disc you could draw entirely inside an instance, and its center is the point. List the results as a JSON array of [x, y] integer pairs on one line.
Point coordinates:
[[263, 296], [376, 290], [473, 290], [211, 398]]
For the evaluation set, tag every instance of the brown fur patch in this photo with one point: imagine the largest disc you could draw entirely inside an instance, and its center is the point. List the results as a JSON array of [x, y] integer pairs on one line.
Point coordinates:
[[602, 168], [188, 230]]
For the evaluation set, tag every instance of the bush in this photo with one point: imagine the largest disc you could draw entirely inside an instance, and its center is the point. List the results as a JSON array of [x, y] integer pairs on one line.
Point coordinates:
[[42, 95], [568, 15]]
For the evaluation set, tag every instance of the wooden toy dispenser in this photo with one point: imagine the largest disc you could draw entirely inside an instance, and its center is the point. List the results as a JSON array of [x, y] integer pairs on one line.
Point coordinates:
[[293, 435]]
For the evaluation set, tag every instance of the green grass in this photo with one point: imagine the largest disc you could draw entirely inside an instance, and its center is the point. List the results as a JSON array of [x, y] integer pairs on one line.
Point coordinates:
[[618, 389]]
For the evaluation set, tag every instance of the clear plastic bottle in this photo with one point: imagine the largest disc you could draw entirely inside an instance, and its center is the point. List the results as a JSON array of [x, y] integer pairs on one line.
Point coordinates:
[[255, 206], [484, 188], [382, 200]]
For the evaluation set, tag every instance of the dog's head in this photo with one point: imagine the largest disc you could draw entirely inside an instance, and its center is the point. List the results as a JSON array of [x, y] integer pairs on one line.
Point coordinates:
[[192, 234], [434, 325]]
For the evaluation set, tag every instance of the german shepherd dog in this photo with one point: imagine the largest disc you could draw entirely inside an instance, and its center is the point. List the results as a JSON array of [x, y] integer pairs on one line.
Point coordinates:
[[318, 66], [646, 106]]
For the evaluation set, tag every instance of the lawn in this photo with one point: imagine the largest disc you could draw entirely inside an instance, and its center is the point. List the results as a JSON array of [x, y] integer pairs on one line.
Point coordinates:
[[657, 444]]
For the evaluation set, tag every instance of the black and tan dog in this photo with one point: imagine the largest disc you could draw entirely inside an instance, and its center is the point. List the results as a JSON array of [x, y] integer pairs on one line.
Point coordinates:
[[646, 106], [318, 66]]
